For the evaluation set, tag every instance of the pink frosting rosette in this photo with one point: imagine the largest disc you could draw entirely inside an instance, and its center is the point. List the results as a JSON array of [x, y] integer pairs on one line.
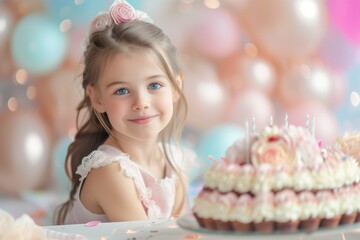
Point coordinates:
[[349, 143], [122, 12], [100, 22], [271, 148]]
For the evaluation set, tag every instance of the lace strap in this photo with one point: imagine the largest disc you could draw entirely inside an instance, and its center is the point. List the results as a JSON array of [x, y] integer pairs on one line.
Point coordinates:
[[97, 159]]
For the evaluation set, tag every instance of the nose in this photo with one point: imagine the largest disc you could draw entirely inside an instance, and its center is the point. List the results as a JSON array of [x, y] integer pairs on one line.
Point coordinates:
[[141, 101]]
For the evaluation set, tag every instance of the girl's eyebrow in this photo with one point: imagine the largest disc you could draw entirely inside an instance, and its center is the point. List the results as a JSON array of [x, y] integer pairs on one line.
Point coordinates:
[[115, 83], [147, 79], [156, 76]]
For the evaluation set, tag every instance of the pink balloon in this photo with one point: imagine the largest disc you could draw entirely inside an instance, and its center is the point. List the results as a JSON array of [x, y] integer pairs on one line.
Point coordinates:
[[339, 90], [344, 15], [6, 23], [77, 47], [326, 126], [337, 51], [306, 81], [240, 72], [58, 97], [285, 29], [24, 151], [205, 95], [249, 104], [216, 34]]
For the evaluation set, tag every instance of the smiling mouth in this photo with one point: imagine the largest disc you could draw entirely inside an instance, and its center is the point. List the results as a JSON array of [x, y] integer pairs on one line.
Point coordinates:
[[142, 120]]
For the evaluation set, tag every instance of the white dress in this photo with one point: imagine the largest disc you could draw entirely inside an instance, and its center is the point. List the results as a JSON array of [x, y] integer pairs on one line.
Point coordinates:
[[156, 195]]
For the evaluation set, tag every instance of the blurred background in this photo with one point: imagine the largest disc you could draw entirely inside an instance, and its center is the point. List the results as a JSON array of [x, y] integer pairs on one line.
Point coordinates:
[[244, 60]]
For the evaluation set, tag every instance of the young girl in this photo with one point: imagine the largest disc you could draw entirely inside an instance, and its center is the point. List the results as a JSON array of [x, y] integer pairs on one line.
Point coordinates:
[[124, 163]]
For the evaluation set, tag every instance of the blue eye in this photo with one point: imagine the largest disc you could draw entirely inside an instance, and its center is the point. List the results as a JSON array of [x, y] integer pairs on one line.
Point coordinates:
[[122, 91], [154, 86]]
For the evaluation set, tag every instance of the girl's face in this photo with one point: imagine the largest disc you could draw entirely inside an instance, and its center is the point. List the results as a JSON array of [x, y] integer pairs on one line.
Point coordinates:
[[136, 95]]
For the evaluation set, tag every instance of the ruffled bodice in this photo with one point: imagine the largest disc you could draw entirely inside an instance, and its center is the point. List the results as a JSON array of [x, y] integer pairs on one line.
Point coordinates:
[[156, 195]]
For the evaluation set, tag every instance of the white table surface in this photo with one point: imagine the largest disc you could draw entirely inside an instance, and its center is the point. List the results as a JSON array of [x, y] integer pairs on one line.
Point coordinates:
[[169, 229]]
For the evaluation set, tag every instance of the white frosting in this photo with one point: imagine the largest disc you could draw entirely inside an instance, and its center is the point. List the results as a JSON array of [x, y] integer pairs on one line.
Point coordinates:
[[21, 228], [245, 178]]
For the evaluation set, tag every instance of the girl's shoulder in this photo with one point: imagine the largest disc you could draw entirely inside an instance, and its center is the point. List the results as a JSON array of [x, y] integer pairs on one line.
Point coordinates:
[[103, 156]]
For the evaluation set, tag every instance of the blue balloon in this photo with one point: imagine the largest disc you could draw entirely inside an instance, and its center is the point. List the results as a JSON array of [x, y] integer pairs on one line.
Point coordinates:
[[215, 142], [38, 45], [59, 155], [83, 12], [77, 13], [348, 115], [137, 4]]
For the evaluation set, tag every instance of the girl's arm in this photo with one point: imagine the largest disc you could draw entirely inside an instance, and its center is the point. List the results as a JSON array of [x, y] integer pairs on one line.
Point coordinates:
[[115, 194]]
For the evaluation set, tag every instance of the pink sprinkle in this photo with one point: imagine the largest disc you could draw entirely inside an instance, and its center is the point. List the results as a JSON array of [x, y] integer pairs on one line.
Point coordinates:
[[320, 143], [92, 224]]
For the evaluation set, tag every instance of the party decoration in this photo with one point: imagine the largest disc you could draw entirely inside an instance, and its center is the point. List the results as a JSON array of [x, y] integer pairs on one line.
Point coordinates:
[[309, 80], [348, 113], [248, 104], [6, 23], [206, 95], [216, 34], [62, 181], [58, 96], [38, 45], [76, 48], [325, 127], [78, 12], [216, 140], [337, 52], [238, 71], [344, 15], [285, 29], [24, 150]]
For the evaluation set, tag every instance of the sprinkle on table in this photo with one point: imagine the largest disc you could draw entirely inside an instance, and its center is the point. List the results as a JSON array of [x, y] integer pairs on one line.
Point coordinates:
[[193, 236]]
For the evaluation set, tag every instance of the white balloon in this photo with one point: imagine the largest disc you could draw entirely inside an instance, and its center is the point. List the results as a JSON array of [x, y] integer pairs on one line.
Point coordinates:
[[24, 151]]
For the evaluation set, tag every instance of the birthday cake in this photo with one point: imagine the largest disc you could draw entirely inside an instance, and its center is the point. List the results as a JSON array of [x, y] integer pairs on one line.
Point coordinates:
[[279, 180]]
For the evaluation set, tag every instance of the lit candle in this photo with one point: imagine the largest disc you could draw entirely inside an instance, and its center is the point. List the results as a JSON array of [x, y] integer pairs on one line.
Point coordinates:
[[271, 121], [286, 124], [247, 142], [313, 126], [253, 125]]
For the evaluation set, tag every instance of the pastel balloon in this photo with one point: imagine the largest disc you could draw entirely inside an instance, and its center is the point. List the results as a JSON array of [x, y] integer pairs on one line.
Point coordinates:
[[205, 95], [58, 96], [344, 15], [24, 151], [77, 46], [326, 126], [78, 12], [302, 81], [240, 72], [348, 113], [285, 29], [6, 23], [339, 90], [216, 34], [62, 182], [216, 140], [336, 51], [38, 45], [249, 104]]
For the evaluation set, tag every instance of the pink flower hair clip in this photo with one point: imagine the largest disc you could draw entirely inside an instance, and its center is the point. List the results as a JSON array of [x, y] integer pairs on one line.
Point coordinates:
[[121, 12]]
